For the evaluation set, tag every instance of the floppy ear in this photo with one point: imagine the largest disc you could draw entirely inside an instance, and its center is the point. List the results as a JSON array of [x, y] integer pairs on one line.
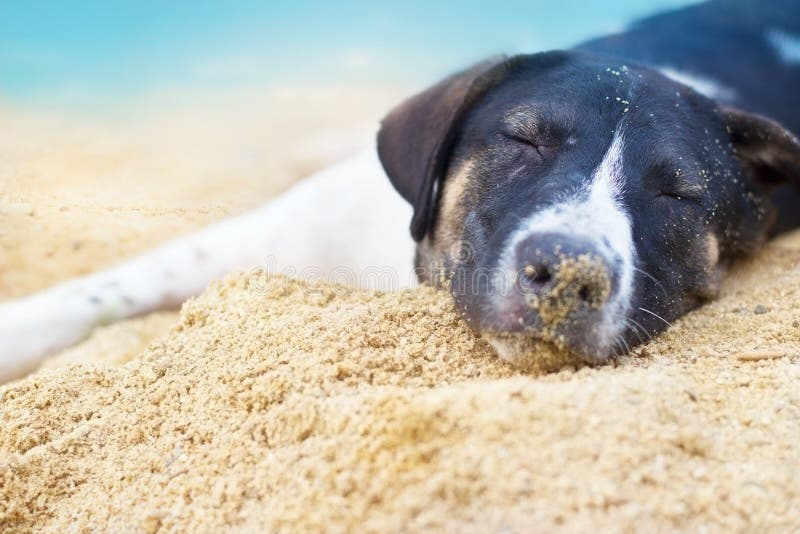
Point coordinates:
[[415, 139], [769, 151]]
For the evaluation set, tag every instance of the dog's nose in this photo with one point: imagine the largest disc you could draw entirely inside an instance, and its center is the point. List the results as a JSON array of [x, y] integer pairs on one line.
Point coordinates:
[[560, 274]]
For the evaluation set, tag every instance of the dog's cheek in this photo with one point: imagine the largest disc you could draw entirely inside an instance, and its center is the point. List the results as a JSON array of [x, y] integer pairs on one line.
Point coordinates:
[[428, 265], [712, 269], [445, 246], [743, 223], [702, 270], [687, 264], [712, 250], [452, 211]]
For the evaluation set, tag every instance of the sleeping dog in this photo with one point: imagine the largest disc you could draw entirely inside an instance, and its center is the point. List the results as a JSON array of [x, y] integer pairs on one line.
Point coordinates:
[[585, 197]]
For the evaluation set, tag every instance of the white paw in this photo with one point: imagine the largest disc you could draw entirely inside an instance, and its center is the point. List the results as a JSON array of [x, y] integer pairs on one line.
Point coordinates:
[[32, 328]]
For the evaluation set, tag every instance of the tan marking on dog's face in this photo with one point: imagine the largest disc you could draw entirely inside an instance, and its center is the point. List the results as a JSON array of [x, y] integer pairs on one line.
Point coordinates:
[[450, 223], [435, 251], [714, 271], [712, 250]]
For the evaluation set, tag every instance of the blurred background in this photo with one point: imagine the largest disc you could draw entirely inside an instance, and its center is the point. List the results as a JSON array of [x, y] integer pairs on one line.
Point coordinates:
[[93, 55], [129, 122]]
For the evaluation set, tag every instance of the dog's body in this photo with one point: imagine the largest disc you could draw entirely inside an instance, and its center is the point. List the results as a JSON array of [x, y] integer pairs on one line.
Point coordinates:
[[593, 162], [300, 233]]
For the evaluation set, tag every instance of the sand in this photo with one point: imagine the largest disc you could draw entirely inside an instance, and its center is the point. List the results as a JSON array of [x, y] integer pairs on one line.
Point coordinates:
[[271, 405]]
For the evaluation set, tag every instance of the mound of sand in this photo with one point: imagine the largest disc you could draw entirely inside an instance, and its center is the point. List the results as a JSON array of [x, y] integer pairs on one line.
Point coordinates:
[[272, 405]]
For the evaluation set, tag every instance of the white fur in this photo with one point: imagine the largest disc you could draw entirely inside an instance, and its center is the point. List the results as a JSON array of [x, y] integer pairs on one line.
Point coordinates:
[[596, 213], [344, 223], [785, 44], [703, 85]]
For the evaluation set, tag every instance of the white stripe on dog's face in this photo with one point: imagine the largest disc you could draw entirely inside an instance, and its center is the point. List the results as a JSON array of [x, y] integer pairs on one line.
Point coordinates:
[[705, 86], [597, 214]]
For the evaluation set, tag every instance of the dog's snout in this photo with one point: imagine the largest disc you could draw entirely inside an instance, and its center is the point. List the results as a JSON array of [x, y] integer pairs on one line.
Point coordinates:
[[536, 274], [562, 274]]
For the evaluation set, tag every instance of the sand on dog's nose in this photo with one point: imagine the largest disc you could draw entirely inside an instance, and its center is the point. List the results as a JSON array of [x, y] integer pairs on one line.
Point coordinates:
[[579, 281]]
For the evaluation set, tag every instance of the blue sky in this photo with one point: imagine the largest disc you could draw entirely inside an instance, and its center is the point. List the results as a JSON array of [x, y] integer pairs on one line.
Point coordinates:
[[70, 51]]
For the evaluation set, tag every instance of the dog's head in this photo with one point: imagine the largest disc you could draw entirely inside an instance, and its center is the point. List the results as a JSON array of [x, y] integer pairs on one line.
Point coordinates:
[[567, 198]]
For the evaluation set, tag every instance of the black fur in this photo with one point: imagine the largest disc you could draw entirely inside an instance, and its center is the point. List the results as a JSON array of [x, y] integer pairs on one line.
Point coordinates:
[[697, 171]]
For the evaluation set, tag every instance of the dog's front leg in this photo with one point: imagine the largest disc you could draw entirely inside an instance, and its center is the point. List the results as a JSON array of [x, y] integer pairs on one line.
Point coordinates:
[[344, 217], [43, 323], [36, 326]]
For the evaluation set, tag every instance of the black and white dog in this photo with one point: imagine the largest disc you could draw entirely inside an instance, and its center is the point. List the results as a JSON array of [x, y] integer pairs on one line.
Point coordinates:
[[583, 197]]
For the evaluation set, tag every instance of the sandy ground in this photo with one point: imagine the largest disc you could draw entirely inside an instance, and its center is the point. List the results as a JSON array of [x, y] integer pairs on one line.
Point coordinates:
[[267, 404]]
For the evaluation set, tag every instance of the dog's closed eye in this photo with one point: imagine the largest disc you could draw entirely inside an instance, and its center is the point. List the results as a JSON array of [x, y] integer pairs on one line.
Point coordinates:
[[670, 184], [680, 192], [542, 149], [672, 195]]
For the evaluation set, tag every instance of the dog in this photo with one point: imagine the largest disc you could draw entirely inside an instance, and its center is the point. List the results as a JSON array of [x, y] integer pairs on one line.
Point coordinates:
[[584, 198]]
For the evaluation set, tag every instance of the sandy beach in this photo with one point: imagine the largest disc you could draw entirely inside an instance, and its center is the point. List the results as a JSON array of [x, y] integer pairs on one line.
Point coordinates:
[[270, 405]]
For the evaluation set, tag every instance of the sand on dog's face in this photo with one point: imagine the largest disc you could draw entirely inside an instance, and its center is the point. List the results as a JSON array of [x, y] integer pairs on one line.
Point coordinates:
[[277, 406], [542, 348], [564, 298]]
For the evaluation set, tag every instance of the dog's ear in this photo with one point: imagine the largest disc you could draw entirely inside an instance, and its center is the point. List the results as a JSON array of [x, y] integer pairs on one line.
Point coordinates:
[[415, 139], [769, 152]]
